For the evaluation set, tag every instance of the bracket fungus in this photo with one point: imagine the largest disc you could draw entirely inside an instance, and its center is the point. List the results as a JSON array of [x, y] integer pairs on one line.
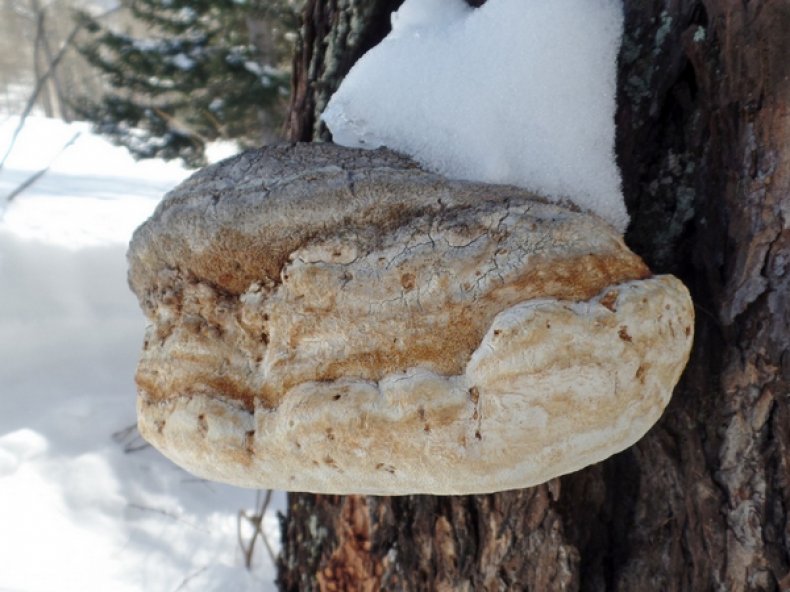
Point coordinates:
[[341, 321]]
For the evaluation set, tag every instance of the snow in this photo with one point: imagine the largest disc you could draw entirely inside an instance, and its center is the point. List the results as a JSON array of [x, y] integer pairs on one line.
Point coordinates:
[[183, 62], [77, 511], [517, 91]]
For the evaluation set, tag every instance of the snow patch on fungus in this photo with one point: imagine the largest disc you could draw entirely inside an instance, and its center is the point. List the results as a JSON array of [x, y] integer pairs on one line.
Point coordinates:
[[519, 92]]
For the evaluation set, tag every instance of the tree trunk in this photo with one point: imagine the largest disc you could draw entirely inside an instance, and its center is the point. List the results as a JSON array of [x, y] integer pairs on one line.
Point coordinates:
[[334, 35], [701, 503]]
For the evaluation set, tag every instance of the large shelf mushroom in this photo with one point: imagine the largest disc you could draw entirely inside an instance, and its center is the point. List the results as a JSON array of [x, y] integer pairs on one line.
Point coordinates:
[[341, 321]]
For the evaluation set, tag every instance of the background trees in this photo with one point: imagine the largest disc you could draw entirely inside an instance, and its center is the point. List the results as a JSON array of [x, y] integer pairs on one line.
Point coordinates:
[[159, 77], [701, 502], [33, 35], [196, 72]]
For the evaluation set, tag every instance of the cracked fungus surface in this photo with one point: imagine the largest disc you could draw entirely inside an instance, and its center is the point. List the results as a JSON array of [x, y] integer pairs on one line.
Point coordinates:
[[252, 310]]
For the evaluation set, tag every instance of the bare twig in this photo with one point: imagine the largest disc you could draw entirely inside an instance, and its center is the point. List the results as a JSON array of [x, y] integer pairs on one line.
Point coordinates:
[[191, 576], [38, 174], [40, 17], [171, 515], [256, 521], [264, 538], [55, 92], [181, 127], [31, 101], [130, 438]]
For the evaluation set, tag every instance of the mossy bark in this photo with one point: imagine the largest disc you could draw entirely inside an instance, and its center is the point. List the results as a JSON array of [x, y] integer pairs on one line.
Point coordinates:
[[701, 503]]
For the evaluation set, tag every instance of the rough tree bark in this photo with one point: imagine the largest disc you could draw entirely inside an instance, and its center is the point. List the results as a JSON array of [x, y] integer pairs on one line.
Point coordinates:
[[701, 503], [334, 35]]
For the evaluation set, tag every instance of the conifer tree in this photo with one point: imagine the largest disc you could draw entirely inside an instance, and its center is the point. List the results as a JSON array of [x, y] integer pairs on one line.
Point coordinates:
[[205, 70]]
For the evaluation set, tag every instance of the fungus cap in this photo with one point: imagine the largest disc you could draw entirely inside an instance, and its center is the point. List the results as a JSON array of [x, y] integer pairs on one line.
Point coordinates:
[[340, 321]]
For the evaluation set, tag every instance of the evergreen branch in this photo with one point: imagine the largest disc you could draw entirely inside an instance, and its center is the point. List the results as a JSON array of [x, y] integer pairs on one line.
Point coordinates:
[[180, 87]]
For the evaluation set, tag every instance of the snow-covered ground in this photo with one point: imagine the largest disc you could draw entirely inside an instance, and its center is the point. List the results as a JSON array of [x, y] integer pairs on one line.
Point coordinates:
[[78, 511]]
